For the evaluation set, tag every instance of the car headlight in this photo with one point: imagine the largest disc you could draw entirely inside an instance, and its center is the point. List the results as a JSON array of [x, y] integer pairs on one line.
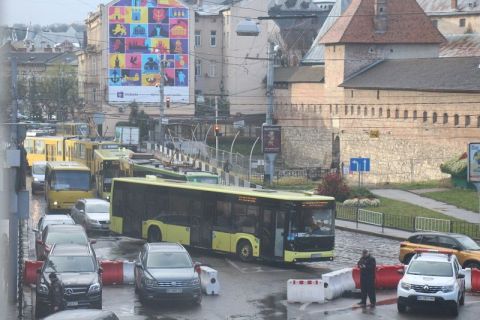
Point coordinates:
[[195, 282], [55, 203], [405, 286], [94, 288], [149, 282], [92, 221], [446, 289], [35, 179], [43, 289]]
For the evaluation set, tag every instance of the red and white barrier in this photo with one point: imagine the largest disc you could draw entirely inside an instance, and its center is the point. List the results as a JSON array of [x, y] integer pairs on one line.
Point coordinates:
[[338, 282], [30, 271], [305, 291], [209, 280], [475, 280], [386, 276], [117, 272]]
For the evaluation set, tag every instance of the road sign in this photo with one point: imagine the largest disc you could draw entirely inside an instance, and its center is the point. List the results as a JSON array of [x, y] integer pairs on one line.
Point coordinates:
[[474, 162], [272, 139], [360, 165]]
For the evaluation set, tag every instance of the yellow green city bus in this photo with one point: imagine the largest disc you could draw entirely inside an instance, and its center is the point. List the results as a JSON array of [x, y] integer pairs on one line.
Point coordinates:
[[81, 150], [65, 183], [252, 223], [106, 166]]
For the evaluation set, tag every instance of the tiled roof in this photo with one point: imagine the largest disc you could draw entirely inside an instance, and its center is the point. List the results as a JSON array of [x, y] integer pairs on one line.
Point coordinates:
[[444, 7], [461, 45], [431, 74], [302, 74], [406, 23]]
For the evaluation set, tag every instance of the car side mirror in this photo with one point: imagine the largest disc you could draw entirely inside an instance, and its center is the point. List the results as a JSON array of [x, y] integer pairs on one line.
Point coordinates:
[[461, 276], [93, 241]]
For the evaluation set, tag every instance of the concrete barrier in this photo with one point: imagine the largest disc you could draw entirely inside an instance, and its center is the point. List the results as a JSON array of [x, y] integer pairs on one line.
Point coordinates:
[[209, 280], [475, 280], [305, 290], [117, 272], [338, 282], [386, 276]]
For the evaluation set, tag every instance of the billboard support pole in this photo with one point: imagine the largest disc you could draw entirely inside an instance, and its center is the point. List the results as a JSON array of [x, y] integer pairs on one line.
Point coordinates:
[[163, 62]]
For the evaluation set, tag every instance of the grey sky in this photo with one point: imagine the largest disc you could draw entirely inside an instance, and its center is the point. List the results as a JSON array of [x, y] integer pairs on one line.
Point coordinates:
[[45, 12]]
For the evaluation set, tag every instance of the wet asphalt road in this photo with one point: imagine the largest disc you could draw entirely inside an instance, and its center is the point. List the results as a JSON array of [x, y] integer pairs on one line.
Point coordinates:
[[250, 291]]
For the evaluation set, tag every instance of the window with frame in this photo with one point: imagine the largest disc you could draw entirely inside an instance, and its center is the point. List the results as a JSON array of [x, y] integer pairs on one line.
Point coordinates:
[[467, 121], [178, 208], [445, 118], [213, 38], [456, 119], [373, 112], [39, 147], [415, 115], [434, 117], [223, 217], [245, 218], [461, 22], [212, 70], [425, 116], [405, 114], [198, 67], [198, 38], [156, 202], [380, 112], [446, 242]]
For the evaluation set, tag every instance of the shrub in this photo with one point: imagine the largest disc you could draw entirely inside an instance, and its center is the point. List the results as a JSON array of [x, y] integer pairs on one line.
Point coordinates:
[[333, 185], [362, 203], [361, 192], [457, 167]]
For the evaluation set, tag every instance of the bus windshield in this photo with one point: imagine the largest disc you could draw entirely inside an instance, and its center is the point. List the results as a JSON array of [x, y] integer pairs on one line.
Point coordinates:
[[311, 222], [70, 180]]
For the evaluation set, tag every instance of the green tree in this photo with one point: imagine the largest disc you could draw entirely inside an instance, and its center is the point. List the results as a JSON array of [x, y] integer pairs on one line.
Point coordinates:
[[138, 118]]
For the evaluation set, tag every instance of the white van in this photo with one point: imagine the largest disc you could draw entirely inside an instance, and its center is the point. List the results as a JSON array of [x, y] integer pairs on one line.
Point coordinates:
[[38, 176]]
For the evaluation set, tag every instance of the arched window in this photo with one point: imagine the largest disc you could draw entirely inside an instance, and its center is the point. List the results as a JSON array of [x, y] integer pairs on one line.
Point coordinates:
[[346, 110], [373, 112], [388, 113], [478, 122], [380, 112], [467, 121], [445, 118], [336, 108], [405, 114], [397, 113], [415, 115], [352, 111], [359, 110], [425, 116], [456, 120], [365, 111], [434, 117]]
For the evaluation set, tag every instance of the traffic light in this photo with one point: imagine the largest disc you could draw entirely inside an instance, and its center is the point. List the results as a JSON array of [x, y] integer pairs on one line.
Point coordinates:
[[217, 131], [168, 102]]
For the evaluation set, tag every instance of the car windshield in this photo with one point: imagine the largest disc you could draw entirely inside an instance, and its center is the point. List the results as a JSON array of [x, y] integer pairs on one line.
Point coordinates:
[[66, 237], [430, 268], [468, 243], [38, 169], [168, 260], [71, 180], [98, 207], [70, 264], [63, 221]]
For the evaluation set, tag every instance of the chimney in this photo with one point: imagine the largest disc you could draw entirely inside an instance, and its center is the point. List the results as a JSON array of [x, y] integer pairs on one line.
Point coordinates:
[[454, 4], [380, 19]]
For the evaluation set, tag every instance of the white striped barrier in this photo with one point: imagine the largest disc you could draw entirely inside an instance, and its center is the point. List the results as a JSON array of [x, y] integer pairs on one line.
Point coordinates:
[[338, 282], [305, 291], [117, 272], [209, 280]]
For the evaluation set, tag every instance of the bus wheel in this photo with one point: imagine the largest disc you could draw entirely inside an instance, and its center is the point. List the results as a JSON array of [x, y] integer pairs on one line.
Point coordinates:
[[245, 251], [154, 235]]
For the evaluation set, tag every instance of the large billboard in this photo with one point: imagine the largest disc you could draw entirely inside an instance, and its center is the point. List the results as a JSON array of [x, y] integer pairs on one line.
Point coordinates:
[[141, 34], [474, 162]]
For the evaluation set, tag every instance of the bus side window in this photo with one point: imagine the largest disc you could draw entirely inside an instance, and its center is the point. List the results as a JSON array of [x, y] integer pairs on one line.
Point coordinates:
[[223, 215], [245, 218]]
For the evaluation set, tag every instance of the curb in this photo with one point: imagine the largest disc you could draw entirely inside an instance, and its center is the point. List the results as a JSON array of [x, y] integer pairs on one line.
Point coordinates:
[[381, 235]]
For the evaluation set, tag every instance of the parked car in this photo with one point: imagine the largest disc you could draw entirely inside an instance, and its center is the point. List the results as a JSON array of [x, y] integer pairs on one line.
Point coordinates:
[[83, 314], [51, 219], [433, 278], [77, 267], [93, 214], [166, 271], [38, 176], [464, 248], [56, 233]]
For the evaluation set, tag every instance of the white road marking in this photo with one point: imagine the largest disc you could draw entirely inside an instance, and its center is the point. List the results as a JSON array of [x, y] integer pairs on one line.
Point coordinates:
[[305, 306], [252, 269]]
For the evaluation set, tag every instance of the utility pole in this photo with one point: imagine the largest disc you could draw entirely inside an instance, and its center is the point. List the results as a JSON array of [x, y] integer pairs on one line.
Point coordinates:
[[269, 158], [216, 125], [163, 63]]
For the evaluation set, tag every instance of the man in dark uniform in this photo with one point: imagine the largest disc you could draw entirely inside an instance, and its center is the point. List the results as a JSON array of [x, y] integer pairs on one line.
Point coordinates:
[[367, 265], [56, 292]]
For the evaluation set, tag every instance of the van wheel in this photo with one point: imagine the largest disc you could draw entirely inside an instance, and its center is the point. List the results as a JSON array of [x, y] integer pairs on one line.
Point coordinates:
[[401, 307], [154, 235], [472, 265], [245, 251]]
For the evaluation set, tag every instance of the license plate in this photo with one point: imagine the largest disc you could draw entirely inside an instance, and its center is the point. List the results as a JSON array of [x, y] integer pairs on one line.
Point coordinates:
[[425, 298], [316, 255], [174, 290], [72, 303]]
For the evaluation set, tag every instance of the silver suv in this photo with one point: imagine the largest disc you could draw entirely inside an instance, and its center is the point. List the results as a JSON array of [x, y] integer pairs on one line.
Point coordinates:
[[165, 271]]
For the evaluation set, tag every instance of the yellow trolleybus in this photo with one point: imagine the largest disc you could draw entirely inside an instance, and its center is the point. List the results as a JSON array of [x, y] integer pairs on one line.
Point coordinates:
[[65, 183], [252, 223], [81, 150], [44, 148], [106, 166]]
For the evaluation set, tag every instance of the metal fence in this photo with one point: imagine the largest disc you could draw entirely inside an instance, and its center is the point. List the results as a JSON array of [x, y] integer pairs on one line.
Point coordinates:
[[407, 223]]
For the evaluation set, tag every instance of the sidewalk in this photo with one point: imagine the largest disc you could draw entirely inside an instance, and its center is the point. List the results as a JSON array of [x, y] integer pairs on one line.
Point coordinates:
[[372, 230], [431, 204]]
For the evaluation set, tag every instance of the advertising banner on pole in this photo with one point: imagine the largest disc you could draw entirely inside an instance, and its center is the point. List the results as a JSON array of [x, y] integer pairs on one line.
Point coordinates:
[[272, 139], [474, 162], [140, 33]]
